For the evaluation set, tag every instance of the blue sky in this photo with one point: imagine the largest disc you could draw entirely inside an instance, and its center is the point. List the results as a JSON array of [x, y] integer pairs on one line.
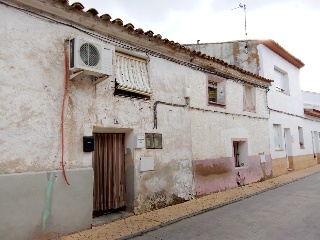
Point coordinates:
[[291, 23]]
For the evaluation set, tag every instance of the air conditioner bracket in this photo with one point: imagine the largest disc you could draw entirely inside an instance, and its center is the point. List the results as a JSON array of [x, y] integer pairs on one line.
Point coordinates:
[[72, 76], [98, 80]]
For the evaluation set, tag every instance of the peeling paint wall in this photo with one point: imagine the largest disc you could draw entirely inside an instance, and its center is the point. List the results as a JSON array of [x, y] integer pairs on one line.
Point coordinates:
[[212, 134], [214, 175], [259, 59], [239, 53], [32, 90], [172, 180], [32, 87]]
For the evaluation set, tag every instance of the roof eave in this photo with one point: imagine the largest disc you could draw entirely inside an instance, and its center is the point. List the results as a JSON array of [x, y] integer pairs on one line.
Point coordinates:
[[312, 112], [275, 47]]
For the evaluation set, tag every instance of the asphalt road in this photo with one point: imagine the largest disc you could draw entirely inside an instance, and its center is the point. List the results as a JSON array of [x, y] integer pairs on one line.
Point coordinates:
[[290, 212]]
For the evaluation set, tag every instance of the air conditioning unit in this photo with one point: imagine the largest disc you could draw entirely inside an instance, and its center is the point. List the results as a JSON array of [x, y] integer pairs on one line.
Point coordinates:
[[92, 58]]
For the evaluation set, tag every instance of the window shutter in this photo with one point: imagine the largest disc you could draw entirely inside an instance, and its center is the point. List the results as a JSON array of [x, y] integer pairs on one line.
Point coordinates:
[[131, 74], [279, 79], [221, 93]]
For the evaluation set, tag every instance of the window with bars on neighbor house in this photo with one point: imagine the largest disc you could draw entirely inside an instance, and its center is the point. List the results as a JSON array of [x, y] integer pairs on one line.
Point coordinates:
[[216, 90]]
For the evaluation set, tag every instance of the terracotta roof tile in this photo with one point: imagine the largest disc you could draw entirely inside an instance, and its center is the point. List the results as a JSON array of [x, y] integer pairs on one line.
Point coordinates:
[[166, 40], [158, 36], [93, 11], [77, 6], [277, 48], [139, 31], [118, 21], [312, 112], [105, 17], [64, 1], [177, 46], [149, 33], [129, 26]]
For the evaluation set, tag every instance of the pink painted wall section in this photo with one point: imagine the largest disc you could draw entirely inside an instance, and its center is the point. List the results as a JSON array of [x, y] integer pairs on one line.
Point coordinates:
[[214, 175]]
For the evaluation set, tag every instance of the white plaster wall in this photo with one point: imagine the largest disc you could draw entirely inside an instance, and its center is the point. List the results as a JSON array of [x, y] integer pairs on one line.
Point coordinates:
[[32, 79], [291, 102], [234, 53], [173, 163], [311, 99], [32, 91], [293, 123], [212, 131]]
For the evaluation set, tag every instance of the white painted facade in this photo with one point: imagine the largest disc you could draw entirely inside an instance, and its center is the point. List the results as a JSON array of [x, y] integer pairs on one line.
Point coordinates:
[[311, 99], [34, 37], [214, 131], [286, 107], [32, 90], [229, 122]]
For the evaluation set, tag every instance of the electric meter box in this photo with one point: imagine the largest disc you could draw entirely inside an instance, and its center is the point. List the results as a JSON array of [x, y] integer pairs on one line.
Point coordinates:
[[139, 141]]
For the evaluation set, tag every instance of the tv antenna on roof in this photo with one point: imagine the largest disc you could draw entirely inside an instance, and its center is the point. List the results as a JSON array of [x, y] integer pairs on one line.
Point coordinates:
[[244, 7]]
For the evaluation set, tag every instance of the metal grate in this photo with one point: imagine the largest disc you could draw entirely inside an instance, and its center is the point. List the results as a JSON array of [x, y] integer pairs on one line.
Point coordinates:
[[89, 54]]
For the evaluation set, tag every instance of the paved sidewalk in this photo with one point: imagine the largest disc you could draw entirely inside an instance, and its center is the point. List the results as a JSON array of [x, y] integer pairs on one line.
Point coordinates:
[[138, 224]]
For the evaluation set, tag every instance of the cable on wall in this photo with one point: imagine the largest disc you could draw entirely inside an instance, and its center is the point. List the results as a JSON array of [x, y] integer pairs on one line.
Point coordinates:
[[155, 117], [66, 84]]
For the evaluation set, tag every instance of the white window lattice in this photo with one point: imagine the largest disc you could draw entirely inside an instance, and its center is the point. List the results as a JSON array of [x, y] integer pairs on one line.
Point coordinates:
[[131, 74]]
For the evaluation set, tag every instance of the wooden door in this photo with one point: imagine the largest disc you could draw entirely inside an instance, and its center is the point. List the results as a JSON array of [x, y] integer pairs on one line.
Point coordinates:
[[109, 172]]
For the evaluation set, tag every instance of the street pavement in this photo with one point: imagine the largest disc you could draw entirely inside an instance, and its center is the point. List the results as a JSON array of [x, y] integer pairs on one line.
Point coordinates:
[[288, 212], [239, 213]]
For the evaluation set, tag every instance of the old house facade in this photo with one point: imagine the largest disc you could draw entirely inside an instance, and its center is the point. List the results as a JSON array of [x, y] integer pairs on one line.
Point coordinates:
[[294, 140], [98, 115]]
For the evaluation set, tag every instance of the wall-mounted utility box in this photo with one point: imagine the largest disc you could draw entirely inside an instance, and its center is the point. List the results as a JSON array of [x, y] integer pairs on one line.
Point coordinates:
[[157, 139], [139, 141], [153, 140], [262, 157], [88, 143], [149, 140], [146, 164]]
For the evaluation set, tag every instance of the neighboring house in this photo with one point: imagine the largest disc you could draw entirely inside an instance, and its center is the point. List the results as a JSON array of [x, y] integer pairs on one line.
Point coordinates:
[[142, 123], [311, 100], [311, 104], [294, 139]]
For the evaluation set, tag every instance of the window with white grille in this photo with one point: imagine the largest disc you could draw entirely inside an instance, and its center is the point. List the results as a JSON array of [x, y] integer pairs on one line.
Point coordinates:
[[132, 76], [281, 81]]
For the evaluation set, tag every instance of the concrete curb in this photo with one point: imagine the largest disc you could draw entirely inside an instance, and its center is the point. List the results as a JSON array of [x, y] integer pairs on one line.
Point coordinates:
[[211, 208]]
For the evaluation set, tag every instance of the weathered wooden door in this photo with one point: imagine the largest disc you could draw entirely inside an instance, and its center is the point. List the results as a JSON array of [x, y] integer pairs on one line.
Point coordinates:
[[109, 172]]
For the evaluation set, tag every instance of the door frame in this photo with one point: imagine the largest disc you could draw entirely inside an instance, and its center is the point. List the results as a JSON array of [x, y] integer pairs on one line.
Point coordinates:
[[129, 160], [288, 147]]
